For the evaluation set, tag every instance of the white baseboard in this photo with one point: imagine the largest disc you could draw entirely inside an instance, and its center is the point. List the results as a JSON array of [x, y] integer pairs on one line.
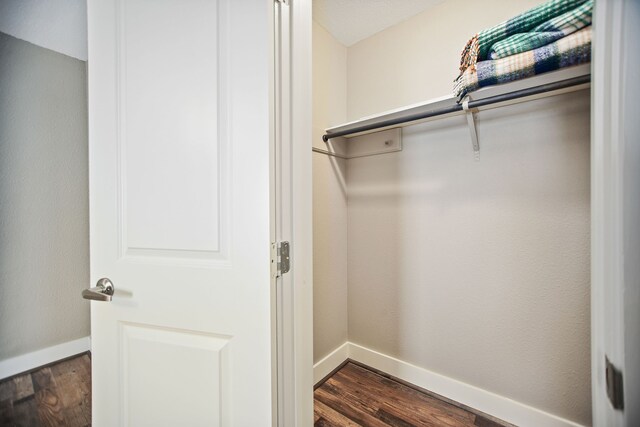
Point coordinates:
[[29, 361], [474, 397], [330, 362]]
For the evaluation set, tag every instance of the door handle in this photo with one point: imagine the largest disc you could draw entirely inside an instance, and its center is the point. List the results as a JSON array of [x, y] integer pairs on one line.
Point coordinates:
[[101, 292]]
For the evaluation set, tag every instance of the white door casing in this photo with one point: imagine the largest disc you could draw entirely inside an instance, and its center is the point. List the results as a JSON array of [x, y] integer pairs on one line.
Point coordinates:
[[293, 210], [180, 131], [615, 236]]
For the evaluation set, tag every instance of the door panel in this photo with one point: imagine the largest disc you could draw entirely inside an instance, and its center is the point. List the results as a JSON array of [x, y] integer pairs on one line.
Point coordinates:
[[180, 125], [169, 124], [198, 383]]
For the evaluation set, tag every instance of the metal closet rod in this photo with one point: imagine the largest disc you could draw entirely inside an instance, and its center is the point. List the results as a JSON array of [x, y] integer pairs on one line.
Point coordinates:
[[536, 90]]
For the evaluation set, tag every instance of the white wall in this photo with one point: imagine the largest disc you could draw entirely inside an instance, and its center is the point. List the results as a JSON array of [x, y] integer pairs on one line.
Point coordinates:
[[59, 25], [329, 197], [44, 208]]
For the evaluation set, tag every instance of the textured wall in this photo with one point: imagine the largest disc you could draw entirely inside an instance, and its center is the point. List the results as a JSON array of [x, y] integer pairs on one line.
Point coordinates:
[[44, 216], [329, 198], [478, 271]]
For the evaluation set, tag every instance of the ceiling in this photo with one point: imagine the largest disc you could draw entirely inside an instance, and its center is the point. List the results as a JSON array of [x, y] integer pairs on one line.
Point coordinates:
[[350, 21]]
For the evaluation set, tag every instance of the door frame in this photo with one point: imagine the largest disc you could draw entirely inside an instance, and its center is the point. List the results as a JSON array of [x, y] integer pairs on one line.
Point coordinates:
[[615, 208], [292, 198]]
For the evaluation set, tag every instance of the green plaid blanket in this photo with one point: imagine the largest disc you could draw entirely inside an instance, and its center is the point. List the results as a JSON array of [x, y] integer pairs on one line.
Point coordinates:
[[478, 47], [573, 49], [545, 33]]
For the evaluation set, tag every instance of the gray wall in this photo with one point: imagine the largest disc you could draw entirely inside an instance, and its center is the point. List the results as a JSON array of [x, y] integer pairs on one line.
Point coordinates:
[[44, 209]]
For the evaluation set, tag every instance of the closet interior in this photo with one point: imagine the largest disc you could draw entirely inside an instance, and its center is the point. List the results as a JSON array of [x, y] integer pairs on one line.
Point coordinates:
[[451, 238]]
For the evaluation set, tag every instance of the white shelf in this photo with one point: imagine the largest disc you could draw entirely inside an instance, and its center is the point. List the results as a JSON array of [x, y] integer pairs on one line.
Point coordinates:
[[488, 92]]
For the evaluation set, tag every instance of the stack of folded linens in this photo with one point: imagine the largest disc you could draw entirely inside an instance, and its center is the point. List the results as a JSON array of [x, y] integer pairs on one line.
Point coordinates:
[[554, 35]]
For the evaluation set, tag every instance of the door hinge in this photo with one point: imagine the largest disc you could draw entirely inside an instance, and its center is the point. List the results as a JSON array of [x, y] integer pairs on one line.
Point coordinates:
[[280, 262], [614, 384], [282, 1]]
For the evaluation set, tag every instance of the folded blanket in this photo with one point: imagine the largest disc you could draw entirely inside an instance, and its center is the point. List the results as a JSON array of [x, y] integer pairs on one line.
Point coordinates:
[[477, 48], [571, 50], [545, 33]]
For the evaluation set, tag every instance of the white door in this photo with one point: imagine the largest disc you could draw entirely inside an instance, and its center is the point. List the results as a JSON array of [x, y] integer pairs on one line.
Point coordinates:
[[180, 139]]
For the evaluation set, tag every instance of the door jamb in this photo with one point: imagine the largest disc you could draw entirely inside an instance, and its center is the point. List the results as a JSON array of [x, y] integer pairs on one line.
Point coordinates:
[[293, 212], [614, 207]]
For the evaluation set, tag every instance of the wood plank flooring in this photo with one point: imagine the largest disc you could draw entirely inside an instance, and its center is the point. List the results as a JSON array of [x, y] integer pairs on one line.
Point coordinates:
[[60, 395], [55, 395], [359, 396]]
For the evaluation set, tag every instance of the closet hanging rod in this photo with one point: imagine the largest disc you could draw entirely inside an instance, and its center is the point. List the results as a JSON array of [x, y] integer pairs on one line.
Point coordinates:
[[535, 90]]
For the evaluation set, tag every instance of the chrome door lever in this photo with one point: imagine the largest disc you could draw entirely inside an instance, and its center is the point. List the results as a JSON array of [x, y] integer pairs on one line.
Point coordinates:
[[101, 292]]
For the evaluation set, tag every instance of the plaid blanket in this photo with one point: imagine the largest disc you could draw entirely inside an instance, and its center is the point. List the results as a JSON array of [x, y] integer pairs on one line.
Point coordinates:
[[545, 33], [571, 50], [477, 48]]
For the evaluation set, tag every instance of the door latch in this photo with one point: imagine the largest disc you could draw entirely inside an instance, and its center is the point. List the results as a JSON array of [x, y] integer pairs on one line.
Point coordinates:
[[280, 261]]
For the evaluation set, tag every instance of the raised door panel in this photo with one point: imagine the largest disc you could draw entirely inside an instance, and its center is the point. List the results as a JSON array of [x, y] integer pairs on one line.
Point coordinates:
[[171, 120], [172, 377]]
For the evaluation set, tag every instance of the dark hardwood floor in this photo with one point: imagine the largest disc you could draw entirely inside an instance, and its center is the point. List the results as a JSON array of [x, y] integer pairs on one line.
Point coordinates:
[[60, 395], [56, 395], [359, 396]]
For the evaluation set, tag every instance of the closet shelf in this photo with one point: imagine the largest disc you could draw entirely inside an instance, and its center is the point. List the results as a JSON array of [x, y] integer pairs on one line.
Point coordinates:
[[541, 86]]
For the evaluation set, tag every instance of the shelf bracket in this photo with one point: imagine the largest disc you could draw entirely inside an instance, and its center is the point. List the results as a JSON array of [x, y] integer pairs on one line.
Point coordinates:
[[471, 122]]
